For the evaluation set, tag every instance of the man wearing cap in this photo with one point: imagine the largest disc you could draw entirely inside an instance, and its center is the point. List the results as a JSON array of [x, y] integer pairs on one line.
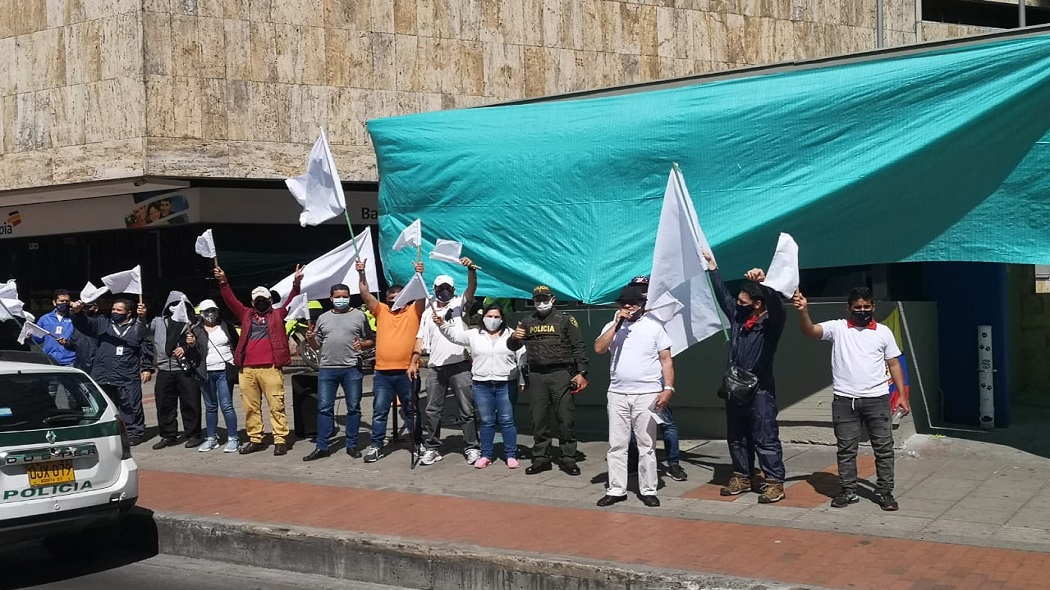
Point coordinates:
[[557, 372], [449, 368], [261, 352]]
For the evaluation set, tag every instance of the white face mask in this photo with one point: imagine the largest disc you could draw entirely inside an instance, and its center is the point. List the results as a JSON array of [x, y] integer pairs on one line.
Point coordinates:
[[545, 306], [491, 324]]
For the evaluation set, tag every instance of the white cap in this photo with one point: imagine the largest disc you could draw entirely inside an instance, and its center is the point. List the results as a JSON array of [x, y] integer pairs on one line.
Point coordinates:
[[260, 292], [207, 304], [444, 280]]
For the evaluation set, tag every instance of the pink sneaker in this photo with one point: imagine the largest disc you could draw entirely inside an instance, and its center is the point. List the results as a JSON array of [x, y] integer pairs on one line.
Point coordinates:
[[512, 463], [482, 463]]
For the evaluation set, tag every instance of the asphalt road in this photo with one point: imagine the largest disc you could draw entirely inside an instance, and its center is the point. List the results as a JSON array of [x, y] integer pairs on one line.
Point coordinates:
[[33, 566]]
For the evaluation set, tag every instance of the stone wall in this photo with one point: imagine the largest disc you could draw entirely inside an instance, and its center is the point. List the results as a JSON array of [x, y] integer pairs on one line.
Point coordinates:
[[237, 88]]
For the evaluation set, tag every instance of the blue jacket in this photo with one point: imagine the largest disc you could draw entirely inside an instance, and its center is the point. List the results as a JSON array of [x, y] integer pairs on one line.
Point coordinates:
[[62, 328], [133, 341], [753, 348]]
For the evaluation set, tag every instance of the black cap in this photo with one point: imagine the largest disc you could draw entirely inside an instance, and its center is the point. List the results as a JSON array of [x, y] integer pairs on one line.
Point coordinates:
[[631, 294]]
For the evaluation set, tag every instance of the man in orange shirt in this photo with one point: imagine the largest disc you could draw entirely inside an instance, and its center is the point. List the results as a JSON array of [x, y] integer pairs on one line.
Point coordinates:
[[395, 341]]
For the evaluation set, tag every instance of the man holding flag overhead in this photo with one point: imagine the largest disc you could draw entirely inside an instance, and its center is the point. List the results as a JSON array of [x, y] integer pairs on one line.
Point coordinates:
[[175, 364]]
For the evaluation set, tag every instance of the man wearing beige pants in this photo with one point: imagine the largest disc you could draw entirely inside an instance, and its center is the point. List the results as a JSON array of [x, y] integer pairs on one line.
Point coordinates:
[[261, 352]]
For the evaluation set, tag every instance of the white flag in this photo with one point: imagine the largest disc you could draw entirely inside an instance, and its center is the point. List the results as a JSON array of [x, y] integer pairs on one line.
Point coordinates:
[[9, 290], [319, 191], [180, 313], [128, 281], [448, 251], [90, 292], [336, 267], [31, 329], [679, 292], [783, 270], [415, 289], [299, 307], [411, 236], [10, 309], [205, 245]]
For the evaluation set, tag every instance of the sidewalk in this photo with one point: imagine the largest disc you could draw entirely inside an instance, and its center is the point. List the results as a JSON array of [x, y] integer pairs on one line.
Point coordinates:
[[973, 515]]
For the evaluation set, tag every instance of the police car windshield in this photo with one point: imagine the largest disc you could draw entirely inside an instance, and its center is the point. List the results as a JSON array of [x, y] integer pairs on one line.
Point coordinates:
[[34, 401]]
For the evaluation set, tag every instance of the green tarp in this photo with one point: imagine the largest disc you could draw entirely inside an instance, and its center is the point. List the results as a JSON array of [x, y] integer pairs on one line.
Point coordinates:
[[934, 156]]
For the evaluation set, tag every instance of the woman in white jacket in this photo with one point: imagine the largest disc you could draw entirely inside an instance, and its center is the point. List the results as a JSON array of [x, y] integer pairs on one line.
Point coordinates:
[[495, 370]]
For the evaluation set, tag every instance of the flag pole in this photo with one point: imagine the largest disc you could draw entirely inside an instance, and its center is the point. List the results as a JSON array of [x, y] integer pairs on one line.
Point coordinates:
[[693, 223]]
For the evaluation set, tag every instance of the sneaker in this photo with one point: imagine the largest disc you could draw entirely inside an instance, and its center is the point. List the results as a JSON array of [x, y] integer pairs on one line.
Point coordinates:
[[429, 457], [482, 463], [771, 493], [372, 454], [472, 456], [231, 445], [209, 443], [737, 485], [675, 472], [887, 502], [843, 499], [512, 463]]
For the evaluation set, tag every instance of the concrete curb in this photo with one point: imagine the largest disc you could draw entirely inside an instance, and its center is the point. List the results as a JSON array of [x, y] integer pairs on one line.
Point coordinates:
[[400, 562]]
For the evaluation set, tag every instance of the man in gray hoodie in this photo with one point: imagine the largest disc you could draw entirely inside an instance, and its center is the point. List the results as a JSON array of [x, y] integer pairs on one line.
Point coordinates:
[[176, 366]]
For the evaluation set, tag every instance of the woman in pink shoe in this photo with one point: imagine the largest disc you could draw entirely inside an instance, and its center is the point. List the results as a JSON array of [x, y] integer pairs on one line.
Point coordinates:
[[492, 369]]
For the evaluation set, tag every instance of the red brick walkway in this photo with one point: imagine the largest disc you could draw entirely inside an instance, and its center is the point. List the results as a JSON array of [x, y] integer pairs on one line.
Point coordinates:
[[785, 555]]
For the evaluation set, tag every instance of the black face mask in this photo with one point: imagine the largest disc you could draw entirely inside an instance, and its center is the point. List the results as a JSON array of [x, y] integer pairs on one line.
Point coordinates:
[[861, 318], [443, 295], [743, 311], [62, 308], [118, 318], [261, 306], [211, 317]]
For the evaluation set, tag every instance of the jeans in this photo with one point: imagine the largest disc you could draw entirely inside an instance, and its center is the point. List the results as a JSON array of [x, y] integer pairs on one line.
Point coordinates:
[[492, 400], [328, 381], [753, 430], [872, 414], [455, 377], [217, 394], [385, 385]]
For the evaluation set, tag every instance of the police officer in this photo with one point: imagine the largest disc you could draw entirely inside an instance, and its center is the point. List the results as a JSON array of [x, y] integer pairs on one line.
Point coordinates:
[[557, 372]]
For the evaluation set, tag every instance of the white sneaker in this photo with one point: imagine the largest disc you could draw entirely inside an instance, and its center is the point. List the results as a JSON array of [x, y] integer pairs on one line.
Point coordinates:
[[472, 455], [209, 443], [231, 445], [372, 454], [430, 456]]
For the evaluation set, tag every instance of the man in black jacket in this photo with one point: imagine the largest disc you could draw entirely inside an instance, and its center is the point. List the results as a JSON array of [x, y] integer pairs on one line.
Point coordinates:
[[757, 317], [176, 389]]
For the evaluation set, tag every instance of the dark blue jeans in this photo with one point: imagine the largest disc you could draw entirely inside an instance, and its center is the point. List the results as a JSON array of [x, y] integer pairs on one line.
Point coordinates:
[[752, 430], [385, 385], [217, 395], [492, 400], [328, 382]]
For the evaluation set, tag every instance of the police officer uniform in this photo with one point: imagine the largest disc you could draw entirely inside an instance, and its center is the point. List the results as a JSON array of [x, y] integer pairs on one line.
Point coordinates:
[[555, 354]]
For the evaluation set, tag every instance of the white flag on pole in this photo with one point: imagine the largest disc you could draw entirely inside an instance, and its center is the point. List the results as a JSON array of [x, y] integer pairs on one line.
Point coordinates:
[[10, 309], [336, 267], [319, 191], [205, 244], [415, 289], [447, 251], [180, 313], [90, 292], [411, 236], [9, 290], [128, 281], [783, 270], [31, 329], [299, 307], [679, 292]]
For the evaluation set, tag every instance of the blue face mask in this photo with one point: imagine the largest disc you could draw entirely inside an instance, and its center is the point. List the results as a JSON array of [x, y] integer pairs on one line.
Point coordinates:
[[341, 303], [118, 317], [62, 308]]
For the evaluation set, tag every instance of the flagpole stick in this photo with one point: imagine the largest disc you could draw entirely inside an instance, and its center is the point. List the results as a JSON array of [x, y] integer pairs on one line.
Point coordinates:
[[696, 238], [353, 237], [216, 261]]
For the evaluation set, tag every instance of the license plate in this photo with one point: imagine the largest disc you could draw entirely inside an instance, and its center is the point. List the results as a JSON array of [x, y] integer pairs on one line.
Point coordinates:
[[50, 473]]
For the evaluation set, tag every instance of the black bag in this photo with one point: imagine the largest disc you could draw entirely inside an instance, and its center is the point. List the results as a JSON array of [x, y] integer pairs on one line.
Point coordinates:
[[738, 385]]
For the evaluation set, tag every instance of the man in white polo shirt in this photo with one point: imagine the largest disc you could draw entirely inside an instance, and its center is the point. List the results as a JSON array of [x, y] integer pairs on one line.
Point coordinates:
[[861, 351], [641, 382]]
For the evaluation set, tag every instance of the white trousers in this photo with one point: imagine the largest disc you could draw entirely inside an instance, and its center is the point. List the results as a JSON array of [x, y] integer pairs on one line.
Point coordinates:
[[627, 413]]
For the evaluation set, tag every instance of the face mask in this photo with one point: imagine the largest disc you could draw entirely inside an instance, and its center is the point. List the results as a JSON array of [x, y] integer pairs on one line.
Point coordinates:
[[211, 317], [544, 306], [341, 303], [118, 317], [62, 308], [743, 311], [492, 324], [860, 318], [443, 295], [261, 306]]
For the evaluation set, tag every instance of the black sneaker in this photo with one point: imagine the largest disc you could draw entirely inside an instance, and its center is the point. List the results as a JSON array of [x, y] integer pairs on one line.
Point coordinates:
[[843, 499], [675, 472], [887, 502]]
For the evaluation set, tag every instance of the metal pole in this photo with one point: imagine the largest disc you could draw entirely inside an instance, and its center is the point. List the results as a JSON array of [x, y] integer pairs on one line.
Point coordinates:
[[880, 34], [1021, 14]]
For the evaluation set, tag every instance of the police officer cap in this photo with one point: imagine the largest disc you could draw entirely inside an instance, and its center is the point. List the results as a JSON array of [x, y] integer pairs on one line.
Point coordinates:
[[542, 291]]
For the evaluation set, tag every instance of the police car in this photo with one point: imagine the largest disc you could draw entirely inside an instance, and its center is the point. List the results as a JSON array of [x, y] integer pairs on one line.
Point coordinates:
[[66, 472]]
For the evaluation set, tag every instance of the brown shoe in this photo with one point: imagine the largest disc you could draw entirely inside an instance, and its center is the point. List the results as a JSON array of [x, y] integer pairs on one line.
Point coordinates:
[[738, 484], [771, 493]]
